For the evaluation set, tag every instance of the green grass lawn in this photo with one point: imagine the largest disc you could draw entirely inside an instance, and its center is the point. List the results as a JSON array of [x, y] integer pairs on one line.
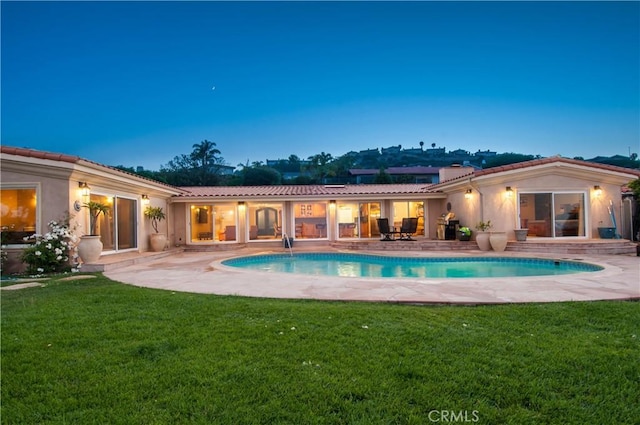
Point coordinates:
[[97, 351]]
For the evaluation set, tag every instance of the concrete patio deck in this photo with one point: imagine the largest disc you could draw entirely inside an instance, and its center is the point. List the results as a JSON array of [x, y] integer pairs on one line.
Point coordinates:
[[202, 272]]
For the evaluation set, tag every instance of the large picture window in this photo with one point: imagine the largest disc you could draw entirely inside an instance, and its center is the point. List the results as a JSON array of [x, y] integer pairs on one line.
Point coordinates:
[[18, 212], [358, 219], [215, 222], [310, 220], [408, 209], [552, 214], [265, 221]]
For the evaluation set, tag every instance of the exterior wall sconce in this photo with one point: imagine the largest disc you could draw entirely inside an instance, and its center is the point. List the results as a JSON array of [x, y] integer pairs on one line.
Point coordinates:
[[85, 190], [597, 190], [332, 202], [509, 191], [241, 205], [145, 199], [468, 194]]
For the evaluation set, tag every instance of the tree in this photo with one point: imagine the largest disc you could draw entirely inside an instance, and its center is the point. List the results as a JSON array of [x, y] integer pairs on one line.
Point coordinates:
[[260, 176], [382, 177], [421, 145], [199, 168], [318, 165]]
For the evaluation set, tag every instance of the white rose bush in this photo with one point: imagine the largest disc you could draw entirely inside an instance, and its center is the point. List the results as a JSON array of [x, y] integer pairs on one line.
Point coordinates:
[[50, 253]]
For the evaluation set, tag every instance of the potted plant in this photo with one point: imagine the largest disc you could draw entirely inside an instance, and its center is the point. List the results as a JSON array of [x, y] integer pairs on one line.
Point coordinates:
[[465, 233], [157, 240], [521, 234], [90, 246], [482, 238]]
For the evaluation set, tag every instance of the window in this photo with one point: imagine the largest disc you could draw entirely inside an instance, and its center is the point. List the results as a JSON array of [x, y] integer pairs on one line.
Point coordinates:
[[18, 211], [265, 221], [407, 209], [553, 214], [213, 222], [358, 219], [310, 220], [118, 227]]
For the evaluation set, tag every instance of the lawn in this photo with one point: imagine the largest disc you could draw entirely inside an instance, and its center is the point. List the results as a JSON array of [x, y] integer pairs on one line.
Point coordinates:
[[97, 351]]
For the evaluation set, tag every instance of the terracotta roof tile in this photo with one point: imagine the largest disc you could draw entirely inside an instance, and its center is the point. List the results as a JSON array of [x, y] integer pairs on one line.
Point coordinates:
[[32, 153], [72, 159], [304, 190], [544, 161]]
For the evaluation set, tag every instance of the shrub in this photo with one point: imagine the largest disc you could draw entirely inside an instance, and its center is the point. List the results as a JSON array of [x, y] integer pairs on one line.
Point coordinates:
[[50, 252]]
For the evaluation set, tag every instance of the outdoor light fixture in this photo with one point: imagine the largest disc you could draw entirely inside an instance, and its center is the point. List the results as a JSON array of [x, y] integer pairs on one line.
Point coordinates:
[[597, 190], [467, 195], [509, 191], [241, 205], [85, 190], [145, 199]]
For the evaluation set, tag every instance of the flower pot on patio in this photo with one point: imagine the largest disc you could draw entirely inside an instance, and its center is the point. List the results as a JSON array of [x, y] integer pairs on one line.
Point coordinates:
[[482, 239], [498, 241], [158, 241], [90, 248], [521, 234]]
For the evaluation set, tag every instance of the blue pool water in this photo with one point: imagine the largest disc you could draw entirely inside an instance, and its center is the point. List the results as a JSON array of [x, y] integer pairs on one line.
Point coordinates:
[[365, 265]]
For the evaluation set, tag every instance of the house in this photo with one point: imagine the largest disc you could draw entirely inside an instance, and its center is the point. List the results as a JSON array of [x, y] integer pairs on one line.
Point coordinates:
[[555, 198]]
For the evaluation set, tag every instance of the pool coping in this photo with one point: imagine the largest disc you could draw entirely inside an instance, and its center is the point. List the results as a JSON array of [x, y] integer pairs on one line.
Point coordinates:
[[204, 273]]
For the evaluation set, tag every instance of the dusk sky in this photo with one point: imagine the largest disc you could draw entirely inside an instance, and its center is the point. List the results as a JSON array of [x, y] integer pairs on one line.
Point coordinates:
[[131, 83]]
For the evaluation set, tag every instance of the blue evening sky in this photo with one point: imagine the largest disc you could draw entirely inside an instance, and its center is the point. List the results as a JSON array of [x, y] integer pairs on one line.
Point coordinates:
[[131, 83]]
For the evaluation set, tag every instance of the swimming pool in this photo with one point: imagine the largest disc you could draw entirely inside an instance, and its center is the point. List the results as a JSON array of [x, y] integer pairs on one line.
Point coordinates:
[[367, 265]]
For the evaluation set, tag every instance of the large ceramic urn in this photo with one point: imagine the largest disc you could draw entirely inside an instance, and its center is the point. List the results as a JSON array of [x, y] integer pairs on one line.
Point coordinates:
[[158, 241], [482, 239], [90, 248], [498, 241]]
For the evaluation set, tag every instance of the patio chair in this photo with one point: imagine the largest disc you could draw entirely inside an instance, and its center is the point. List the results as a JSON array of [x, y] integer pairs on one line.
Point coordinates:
[[409, 227], [388, 234]]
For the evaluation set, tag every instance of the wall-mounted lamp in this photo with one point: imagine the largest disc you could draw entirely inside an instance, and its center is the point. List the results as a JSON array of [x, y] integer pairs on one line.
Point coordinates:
[[85, 190], [241, 205], [332, 204], [597, 190], [468, 193], [145, 199], [509, 191]]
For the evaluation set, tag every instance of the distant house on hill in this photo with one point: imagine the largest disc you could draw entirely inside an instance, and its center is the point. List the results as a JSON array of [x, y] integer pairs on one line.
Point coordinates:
[[420, 174]]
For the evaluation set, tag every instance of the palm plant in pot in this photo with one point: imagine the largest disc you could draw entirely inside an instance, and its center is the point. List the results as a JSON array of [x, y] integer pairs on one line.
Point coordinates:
[[157, 240], [90, 246], [482, 238]]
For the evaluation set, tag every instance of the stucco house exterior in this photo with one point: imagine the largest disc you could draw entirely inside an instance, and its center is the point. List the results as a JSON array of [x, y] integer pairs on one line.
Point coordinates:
[[555, 198]]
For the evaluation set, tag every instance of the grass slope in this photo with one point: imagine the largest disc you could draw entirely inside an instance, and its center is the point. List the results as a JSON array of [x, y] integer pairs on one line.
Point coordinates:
[[96, 351]]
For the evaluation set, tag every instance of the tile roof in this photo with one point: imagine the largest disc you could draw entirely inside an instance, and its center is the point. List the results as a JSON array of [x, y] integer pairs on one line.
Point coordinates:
[[305, 190], [545, 161], [72, 159], [32, 153]]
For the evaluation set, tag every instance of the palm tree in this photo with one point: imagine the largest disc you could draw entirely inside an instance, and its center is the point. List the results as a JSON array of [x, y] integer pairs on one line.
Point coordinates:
[[421, 145], [205, 153]]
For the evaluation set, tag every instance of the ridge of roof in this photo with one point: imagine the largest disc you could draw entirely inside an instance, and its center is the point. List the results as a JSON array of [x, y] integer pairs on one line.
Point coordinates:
[[543, 161], [72, 159], [304, 190]]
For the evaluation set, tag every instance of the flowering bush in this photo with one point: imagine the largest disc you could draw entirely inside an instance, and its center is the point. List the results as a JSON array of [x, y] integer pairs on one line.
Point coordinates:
[[50, 252]]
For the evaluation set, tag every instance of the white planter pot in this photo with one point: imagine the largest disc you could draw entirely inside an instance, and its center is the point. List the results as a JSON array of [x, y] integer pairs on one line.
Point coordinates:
[[158, 241], [482, 239], [498, 241], [90, 248]]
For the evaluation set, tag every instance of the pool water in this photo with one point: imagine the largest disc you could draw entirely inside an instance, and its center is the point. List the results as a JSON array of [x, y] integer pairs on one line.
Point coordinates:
[[366, 265]]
